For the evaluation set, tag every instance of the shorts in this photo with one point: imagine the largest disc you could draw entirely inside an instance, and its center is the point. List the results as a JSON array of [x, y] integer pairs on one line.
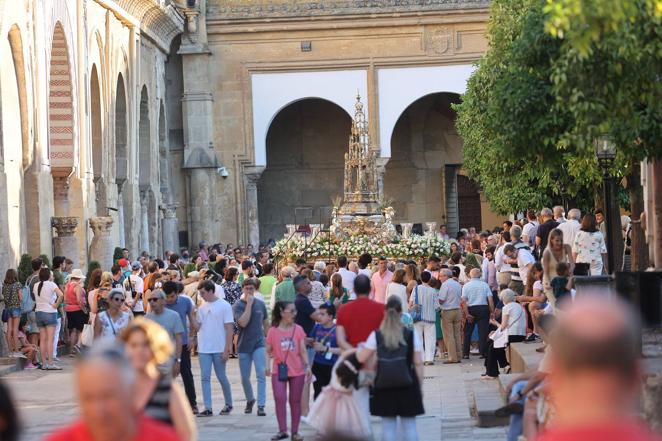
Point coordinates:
[[31, 323], [14, 312], [46, 319], [77, 320]]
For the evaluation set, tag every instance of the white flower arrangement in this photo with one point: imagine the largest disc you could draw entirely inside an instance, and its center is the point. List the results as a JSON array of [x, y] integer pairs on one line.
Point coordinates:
[[324, 247]]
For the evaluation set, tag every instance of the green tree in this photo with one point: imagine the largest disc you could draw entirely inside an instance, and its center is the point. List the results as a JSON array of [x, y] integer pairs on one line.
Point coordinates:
[[118, 253], [24, 268], [91, 267]]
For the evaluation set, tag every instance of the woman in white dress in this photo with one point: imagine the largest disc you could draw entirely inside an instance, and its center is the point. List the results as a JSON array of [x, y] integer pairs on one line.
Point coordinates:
[[589, 245]]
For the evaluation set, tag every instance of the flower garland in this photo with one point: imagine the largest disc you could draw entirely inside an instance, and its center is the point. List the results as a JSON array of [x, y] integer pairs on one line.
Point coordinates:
[[414, 246]]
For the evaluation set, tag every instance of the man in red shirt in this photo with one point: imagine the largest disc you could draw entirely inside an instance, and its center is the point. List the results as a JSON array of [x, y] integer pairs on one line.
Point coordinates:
[[358, 318], [595, 374], [105, 391]]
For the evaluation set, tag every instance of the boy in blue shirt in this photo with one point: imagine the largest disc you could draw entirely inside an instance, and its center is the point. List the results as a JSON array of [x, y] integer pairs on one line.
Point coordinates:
[[326, 347]]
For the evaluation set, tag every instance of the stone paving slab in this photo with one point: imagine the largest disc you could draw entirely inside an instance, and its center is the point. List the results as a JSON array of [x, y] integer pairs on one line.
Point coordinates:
[[46, 400]]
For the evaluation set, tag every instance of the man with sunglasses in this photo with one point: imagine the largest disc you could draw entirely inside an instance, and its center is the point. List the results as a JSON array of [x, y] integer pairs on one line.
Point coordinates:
[[170, 321]]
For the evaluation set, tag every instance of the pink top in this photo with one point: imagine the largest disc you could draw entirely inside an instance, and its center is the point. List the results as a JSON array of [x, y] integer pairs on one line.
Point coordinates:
[[282, 342], [379, 283]]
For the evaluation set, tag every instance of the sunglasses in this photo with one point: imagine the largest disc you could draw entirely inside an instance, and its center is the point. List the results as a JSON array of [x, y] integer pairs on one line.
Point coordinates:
[[154, 299], [117, 299]]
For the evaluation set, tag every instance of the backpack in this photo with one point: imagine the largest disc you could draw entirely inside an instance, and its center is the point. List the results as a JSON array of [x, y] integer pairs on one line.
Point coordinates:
[[394, 366], [29, 303]]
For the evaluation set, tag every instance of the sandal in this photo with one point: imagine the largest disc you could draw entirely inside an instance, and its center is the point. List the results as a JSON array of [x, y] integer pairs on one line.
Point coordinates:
[[279, 435]]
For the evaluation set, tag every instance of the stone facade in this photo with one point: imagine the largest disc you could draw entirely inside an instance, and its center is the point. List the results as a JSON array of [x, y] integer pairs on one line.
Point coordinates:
[[264, 84], [83, 96]]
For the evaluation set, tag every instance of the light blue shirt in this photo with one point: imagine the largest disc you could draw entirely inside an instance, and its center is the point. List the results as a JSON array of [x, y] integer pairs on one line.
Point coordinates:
[[449, 294], [475, 292]]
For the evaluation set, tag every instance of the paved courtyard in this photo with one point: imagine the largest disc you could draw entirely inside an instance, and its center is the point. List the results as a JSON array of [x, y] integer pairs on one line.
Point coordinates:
[[46, 400]]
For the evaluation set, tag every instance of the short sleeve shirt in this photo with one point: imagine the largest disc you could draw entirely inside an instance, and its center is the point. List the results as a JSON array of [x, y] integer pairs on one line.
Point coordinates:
[[286, 348], [251, 336], [169, 320], [148, 430], [304, 311], [371, 343], [183, 307], [359, 318], [212, 317]]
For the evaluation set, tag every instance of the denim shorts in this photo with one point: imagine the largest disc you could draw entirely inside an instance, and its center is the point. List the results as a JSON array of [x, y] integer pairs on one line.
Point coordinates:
[[45, 319], [14, 312]]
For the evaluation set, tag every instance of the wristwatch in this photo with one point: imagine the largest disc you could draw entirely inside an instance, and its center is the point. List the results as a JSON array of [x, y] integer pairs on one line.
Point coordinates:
[[179, 360]]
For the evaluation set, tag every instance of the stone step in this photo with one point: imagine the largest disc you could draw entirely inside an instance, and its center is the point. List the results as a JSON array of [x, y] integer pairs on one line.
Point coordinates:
[[487, 397], [9, 365], [523, 357]]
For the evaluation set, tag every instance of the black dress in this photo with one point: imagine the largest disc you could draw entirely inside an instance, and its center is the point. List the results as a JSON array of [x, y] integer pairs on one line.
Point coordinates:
[[402, 401]]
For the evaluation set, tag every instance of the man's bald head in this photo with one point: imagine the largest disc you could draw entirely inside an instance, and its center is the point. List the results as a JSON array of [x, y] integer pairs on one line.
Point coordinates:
[[597, 333]]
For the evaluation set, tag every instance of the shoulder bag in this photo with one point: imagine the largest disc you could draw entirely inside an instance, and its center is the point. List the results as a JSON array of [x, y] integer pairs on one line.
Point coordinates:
[[282, 367], [394, 366], [416, 310]]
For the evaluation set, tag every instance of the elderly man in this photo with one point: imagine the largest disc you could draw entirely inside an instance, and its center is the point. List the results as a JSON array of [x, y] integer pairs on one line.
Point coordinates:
[[595, 374], [106, 383], [450, 296], [571, 226], [380, 280], [520, 260], [559, 214], [530, 229], [285, 289], [478, 305], [548, 224], [169, 320], [319, 268]]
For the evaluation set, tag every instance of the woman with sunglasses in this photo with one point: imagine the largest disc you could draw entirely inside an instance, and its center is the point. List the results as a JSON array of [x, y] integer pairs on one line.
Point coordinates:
[[287, 346], [109, 323]]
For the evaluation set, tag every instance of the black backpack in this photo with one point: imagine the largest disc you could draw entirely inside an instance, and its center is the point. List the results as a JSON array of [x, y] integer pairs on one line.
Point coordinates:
[[394, 366]]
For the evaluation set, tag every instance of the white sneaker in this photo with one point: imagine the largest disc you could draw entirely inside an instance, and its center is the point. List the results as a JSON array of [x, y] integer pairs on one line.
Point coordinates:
[[20, 355]]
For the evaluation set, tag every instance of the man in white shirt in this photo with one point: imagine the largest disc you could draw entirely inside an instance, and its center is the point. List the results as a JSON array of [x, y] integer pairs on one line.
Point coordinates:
[[571, 226], [215, 334], [134, 288], [559, 214], [347, 277]]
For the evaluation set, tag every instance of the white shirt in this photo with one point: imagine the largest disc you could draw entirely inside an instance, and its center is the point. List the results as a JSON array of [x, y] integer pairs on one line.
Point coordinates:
[[569, 229], [516, 319], [371, 343], [139, 287], [366, 272], [212, 317], [348, 281], [529, 232], [498, 260], [47, 296], [398, 290], [524, 257], [219, 292]]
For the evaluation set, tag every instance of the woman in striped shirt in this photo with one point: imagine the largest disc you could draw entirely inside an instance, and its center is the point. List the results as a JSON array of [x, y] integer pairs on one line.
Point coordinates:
[[423, 305]]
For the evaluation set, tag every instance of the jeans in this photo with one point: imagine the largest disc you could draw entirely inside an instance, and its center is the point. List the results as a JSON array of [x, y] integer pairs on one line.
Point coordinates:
[[408, 430], [516, 426], [481, 314], [280, 396], [428, 335], [206, 361], [187, 376], [246, 359]]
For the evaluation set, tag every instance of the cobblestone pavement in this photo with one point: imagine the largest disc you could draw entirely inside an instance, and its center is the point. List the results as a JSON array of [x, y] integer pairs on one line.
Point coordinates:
[[46, 400]]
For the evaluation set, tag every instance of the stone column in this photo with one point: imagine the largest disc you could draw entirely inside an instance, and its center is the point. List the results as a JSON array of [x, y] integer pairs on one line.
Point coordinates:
[[381, 172], [170, 228], [144, 219], [61, 195], [252, 175], [101, 248], [66, 242]]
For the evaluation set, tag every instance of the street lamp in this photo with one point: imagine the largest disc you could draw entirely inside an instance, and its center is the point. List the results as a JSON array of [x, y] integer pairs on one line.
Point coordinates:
[[605, 150]]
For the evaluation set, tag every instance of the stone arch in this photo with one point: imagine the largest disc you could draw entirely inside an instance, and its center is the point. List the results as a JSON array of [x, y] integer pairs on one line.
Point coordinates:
[[306, 143], [273, 92], [12, 151], [61, 122], [424, 146], [98, 162], [411, 84]]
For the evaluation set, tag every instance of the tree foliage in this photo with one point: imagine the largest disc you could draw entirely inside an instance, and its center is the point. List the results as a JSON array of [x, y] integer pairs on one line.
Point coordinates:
[[536, 101]]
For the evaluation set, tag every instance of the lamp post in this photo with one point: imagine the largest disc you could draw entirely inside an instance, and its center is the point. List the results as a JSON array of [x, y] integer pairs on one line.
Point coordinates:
[[605, 150]]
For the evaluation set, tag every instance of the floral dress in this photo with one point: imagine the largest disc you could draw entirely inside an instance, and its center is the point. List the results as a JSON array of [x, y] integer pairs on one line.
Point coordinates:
[[589, 248], [232, 294], [11, 295]]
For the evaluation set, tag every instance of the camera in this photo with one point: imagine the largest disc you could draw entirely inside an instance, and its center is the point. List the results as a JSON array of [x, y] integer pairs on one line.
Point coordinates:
[[223, 171]]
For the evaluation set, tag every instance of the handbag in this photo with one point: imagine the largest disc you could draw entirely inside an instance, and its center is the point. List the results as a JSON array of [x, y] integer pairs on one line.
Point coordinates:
[[415, 312], [394, 365], [87, 337], [5, 315], [500, 336], [282, 367]]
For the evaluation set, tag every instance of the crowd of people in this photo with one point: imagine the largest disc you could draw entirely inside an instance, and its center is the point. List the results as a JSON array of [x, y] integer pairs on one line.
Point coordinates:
[[339, 341]]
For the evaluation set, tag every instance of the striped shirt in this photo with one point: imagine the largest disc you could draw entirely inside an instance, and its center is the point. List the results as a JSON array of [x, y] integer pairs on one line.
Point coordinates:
[[476, 292], [428, 298], [158, 406]]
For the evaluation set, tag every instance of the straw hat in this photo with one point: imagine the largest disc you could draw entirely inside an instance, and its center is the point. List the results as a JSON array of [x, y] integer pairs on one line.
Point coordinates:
[[76, 274]]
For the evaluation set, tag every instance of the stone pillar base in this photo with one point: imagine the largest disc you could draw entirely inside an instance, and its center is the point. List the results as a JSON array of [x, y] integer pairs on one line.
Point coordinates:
[[101, 248]]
